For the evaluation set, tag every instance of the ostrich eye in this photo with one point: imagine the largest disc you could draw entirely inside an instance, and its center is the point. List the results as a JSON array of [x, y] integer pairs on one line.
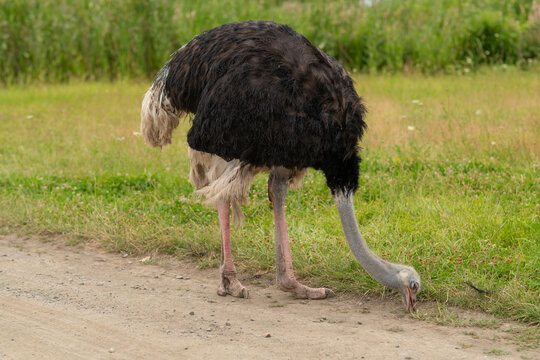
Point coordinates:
[[414, 285]]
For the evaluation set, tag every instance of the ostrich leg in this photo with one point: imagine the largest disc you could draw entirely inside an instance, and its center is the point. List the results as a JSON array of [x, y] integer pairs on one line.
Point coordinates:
[[229, 284], [278, 183]]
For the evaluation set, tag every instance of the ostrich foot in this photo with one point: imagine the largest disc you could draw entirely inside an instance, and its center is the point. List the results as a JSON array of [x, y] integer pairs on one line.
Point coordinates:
[[301, 291], [230, 285]]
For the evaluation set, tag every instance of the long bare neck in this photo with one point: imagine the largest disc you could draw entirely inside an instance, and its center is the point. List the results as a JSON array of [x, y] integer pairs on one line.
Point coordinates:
[[383, 271]]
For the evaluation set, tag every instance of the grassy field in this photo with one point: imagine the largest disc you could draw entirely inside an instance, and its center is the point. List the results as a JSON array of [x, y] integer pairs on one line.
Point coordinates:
[[449, 184]]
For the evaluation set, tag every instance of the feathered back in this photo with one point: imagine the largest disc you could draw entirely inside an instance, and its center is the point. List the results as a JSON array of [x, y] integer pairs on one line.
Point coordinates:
[[263, 94]]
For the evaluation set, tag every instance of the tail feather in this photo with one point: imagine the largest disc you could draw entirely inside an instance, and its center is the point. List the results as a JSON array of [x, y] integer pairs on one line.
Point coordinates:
[[158, 116]]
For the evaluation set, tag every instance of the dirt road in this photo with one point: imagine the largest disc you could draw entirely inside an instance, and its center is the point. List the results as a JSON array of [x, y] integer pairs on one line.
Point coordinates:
[[60, 302]]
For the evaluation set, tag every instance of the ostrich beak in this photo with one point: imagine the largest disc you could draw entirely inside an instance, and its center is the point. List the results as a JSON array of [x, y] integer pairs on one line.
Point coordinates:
[[409, 298]]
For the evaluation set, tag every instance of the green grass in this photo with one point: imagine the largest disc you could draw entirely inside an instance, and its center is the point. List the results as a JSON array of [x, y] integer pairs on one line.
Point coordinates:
[[58, 40], [449, 184]]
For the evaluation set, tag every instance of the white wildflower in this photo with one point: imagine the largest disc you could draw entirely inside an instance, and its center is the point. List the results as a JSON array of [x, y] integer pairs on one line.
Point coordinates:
[[410, 128]]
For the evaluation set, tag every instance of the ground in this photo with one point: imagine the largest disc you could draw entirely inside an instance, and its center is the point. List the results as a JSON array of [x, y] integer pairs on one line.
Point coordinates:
[[81, 302]]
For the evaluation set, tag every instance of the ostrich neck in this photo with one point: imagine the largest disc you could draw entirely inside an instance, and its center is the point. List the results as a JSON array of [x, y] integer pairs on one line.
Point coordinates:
[[383, 271]]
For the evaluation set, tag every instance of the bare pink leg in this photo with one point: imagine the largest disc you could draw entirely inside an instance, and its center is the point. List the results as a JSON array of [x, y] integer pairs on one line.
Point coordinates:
[[229, 284], [277, 189]]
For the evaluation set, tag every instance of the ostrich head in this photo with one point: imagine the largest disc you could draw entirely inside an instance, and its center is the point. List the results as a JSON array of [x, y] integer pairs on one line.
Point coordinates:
[[408, 284]]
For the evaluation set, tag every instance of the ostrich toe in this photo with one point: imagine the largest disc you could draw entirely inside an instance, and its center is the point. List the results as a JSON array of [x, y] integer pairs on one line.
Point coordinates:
[[301, 291], [230, 285]]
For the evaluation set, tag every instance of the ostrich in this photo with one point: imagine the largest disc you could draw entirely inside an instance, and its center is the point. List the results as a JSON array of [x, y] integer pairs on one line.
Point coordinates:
[[265, 99]]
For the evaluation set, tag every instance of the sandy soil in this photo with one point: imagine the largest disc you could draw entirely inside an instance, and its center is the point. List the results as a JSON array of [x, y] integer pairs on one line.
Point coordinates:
[[59, 302]]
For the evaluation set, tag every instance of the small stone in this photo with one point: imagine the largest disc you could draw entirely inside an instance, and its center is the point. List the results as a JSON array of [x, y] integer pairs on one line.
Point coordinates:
[[100, 283], [209, 329], [191, 313], [267, 336], [124, 255], [179, 277], [111, 350], [227, 324], [359, 322]]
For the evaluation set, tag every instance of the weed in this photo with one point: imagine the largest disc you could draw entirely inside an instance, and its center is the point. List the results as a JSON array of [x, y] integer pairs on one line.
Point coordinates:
[[473, 334], [497, 352], [525, 338]]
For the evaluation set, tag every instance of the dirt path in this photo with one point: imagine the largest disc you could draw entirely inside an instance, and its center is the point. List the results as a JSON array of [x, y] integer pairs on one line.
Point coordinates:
[[61, 302]]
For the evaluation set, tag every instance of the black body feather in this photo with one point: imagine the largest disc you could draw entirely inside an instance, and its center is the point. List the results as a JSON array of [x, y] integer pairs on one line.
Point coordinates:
[[262, 93]]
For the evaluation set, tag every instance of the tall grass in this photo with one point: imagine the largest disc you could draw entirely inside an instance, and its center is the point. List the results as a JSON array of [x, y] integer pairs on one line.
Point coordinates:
[[55, 40]]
